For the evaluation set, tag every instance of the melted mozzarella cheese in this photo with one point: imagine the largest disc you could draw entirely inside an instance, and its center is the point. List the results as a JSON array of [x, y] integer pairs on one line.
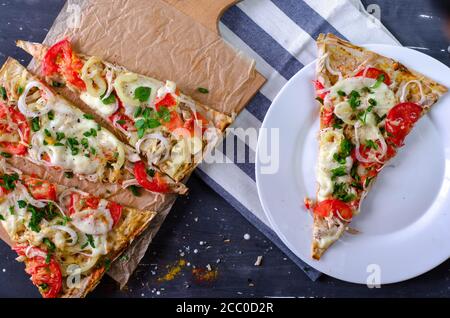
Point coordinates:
[[97, 104]]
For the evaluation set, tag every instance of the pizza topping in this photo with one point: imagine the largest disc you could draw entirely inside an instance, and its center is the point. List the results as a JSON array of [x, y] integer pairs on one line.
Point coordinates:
[[152, 141], [93, 222], [335, 207], [400, 121], [91, 74], [156, 184], [61, 60], [375, 73], [37, 104], [404, 91], [12, 122]]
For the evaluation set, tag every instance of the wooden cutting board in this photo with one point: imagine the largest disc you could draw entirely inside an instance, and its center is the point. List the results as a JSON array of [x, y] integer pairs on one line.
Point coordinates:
[[208, 13]]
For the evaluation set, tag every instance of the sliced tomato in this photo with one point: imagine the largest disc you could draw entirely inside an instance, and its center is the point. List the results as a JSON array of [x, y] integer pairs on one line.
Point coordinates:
[[157, 184], [61, 59], [80, 203], [14, 148], [191, 124], [326, 207], [166, 101], [327, 116], [175, 121], [121, 119], [47, 277], [400, 120], [40, 189], [319, 86], [374, 73]]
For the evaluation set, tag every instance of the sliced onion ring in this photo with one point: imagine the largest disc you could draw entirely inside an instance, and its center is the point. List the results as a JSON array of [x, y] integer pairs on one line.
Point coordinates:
[[22, 104], [68, 230]]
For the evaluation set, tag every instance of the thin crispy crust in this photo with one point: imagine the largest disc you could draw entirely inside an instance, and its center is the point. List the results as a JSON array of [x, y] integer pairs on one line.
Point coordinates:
[[220, 121], [133, 223], [347, 59]]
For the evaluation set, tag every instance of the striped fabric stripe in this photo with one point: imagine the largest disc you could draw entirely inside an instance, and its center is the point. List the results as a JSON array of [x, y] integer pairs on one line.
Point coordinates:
[[279, 35]]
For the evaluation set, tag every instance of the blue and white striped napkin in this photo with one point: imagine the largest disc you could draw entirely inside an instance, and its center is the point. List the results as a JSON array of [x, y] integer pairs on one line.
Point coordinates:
[[280, 35]]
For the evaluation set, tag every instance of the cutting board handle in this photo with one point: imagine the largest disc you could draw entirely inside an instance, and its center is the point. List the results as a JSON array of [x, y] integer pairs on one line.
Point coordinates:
[[206, 12]]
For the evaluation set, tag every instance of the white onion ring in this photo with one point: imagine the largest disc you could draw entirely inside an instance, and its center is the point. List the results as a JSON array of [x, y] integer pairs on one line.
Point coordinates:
[[157, 136], [109, 80], [31, 252], [22, 103], [329, 69], [129, 183], [68, 230], [419, 84], [56, 204], [68, 192]]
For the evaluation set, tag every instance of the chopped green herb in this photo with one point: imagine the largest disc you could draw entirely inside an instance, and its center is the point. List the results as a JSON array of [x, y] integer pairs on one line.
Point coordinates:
[[107, 264], [108, 100], [203, 90], [22, 204], [371, 144], [142, 93], [2, 218], [60, 136], [35, 125], [378, 118], [341, 93], [137, 112], [7, 181], [43, 286], [51, 115], [3, 93], [366, 184], [354, 173], [372, 102], [354, 100], [47, 132], [121, 122], [90, 239], [11, 210], [135, 190], [367, 90], [50, 245], [88, 116], [5, 154], [93, 151], [84, 142], [340, 191], [20, 90], [99, 127], [36, 218], [151, 172], [380, 79], [338, 172], [68, 174], [164, 114], [320, 100], [48, 258], [57, 84], [58, 144]]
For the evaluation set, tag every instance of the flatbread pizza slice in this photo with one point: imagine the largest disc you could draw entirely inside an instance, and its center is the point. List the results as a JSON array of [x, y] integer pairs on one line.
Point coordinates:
[[39, 126], [368, 105], [167, 127], [67, 238]]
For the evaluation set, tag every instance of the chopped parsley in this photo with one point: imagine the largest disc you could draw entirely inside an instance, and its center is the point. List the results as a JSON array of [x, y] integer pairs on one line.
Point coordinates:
[[203, 90], [68, 174], [73, 144], [5, 154], [345, 149], [2, 218], [135, 190], [35, 125], [142, 93], [60, 136], [137, 112], [341, 93], [354, 99], [3, 93], [84, 142], [90, 240], [20, 90], [22, 204], [57, 84], [340, 191], [380, 79], [92, 132], [108, 100], [372, 102], [11, 210], [370, 144], [47, 132], [151, 172], [88, 116], [164, 114], [51, 115], [7, 181], [338, 172]]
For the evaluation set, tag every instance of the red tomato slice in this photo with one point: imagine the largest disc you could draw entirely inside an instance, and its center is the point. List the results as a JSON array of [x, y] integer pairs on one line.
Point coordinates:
[[40, 189], [47, 277], [80, 203], [319, 86], [175, 121], [18, 118], [191, 123], [166, 101], [324, 208], [125, 122], [400, 120], [61, 59], [157, 184], [374, 73], [327, 116]]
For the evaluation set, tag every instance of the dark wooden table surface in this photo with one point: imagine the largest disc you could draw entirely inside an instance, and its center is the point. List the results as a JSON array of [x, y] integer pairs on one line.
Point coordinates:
[[203, 229]]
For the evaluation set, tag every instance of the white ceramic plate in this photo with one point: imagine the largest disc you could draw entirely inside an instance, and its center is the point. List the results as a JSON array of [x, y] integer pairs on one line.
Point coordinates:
[[405, 220]]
